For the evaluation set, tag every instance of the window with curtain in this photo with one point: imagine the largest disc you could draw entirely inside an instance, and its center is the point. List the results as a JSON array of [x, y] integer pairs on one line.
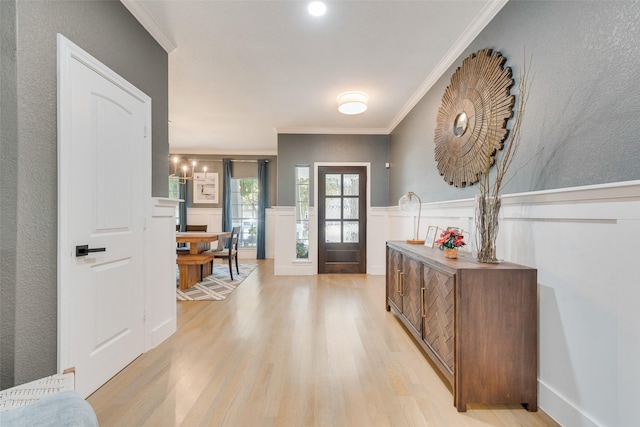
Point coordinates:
[[244, 209], [302, 212]]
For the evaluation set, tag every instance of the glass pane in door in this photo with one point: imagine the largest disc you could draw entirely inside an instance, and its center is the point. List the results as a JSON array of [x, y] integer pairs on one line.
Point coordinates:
[[350, 231], [333, 206], [350, 210], [332, 232], [333, 184], [351, 184]]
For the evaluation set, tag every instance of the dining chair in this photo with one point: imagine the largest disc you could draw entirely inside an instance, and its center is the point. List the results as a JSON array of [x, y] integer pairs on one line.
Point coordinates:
[[181, 248], [230, 251], [196, 228]]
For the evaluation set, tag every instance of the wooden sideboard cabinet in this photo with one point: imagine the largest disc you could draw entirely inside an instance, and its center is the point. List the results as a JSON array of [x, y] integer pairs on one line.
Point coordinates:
[[478, 323]]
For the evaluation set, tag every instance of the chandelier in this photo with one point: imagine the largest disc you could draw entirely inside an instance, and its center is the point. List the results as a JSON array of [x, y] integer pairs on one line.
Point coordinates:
[[181, 172]]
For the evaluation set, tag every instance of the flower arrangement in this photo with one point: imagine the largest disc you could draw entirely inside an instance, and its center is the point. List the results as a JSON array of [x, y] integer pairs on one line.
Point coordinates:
[[451, 238]]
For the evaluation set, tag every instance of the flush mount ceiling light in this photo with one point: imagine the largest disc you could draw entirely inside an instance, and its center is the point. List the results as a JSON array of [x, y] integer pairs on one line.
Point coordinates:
[[317, 8], [352, 102]]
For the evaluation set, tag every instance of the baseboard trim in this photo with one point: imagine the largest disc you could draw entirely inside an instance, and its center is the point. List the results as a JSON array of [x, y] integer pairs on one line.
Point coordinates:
[[564, 412]]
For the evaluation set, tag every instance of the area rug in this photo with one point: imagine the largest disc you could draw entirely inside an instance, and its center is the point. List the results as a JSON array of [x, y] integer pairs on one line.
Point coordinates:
[[217, 286]]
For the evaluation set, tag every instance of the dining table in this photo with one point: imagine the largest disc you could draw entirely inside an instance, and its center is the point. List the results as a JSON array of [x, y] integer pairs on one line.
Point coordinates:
[[195, 264]]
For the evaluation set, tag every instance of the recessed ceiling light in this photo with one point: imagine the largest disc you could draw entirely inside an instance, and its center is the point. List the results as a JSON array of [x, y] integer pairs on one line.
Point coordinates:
[[352, 102], [317, 8]]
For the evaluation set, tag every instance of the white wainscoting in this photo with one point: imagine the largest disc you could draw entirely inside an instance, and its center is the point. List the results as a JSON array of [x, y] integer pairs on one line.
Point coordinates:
[[160, 271], [284, 259], [285, 262], [270, 234], [583, 241], [377, 231], [211, 217]]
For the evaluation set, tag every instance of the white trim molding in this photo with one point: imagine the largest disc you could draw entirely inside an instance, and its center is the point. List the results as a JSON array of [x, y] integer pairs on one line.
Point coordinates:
[[582, 241], [139, 12], [490, 10], [488, 13]]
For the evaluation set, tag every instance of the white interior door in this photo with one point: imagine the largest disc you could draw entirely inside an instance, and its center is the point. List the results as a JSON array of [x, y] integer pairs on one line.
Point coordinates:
[[104, 180]]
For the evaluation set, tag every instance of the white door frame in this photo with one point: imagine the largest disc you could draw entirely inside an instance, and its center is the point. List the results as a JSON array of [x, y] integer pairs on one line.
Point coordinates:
[[68, 52]]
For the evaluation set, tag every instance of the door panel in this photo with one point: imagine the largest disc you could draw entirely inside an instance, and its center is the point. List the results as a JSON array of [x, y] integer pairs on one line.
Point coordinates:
[[411, 292], [439, 322], [103, 184], [342, 219], [394, 268]]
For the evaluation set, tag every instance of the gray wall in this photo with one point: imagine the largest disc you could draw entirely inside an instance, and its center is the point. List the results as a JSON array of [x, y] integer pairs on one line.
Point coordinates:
[[239, 169], [582, 115], [8, 187], [294, 149], [29, 230]]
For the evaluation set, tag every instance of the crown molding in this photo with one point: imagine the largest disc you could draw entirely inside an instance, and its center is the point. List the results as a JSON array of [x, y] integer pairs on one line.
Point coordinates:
[[334, 131], [138, 10], [488, 13], [220, 152]]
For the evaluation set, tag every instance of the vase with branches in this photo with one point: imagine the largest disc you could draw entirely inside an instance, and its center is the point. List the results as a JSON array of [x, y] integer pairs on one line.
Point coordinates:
[[488, 200]]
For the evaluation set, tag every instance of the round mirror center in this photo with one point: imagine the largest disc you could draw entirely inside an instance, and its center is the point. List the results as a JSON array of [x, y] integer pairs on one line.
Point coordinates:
[[460, 124]]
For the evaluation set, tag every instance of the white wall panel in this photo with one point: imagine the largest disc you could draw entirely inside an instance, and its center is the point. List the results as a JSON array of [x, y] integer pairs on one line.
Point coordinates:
[[212, 217], [583, 242], [160, 272]]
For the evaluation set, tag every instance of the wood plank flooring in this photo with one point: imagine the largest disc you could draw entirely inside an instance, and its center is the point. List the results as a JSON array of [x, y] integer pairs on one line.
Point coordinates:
[[291, 351]]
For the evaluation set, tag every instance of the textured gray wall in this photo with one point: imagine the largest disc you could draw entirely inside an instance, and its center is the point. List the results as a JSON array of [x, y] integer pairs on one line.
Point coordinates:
[[8, 187], [294, 149], [107, 31], [582, 115]]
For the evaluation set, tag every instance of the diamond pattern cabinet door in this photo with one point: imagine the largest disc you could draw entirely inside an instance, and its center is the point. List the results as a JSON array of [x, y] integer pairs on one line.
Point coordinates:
[[411, 292], [394, 266], [439, 311]]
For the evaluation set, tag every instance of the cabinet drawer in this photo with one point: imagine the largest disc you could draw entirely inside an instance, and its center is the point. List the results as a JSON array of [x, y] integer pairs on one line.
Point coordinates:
[[439, 314]]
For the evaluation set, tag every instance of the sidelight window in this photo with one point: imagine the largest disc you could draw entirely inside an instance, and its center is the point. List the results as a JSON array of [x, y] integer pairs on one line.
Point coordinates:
[[302, 212]]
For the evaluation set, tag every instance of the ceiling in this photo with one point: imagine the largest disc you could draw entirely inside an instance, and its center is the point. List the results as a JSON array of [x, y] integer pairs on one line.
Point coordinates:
[[240, 72]]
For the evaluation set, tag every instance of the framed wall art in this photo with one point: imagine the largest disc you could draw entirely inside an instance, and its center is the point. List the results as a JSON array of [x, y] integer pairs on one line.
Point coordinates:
[[205, 187]]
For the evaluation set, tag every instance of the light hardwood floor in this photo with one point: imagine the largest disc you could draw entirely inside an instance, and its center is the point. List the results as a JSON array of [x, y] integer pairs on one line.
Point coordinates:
[[291, 351]]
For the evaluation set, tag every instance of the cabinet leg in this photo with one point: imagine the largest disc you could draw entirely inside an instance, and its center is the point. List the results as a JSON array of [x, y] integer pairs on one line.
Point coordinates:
[[462, 407], [531, 406], [388, 307]]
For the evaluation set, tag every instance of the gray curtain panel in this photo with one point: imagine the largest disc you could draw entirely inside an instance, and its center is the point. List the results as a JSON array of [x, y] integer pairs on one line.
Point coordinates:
[[227, 219]]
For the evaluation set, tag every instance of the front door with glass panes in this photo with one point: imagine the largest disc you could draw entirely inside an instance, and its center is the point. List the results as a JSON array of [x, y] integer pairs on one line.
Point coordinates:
[[342, 215]]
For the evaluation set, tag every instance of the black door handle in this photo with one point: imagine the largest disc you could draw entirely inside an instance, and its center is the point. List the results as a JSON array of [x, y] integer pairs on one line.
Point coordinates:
[[83, 250]]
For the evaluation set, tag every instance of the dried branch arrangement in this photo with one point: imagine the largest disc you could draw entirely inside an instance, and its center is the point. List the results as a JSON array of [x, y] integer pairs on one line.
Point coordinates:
[[488, 202]]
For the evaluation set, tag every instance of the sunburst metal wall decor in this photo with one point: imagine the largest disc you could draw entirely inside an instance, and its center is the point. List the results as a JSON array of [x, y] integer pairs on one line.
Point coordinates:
[[472, 120]]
